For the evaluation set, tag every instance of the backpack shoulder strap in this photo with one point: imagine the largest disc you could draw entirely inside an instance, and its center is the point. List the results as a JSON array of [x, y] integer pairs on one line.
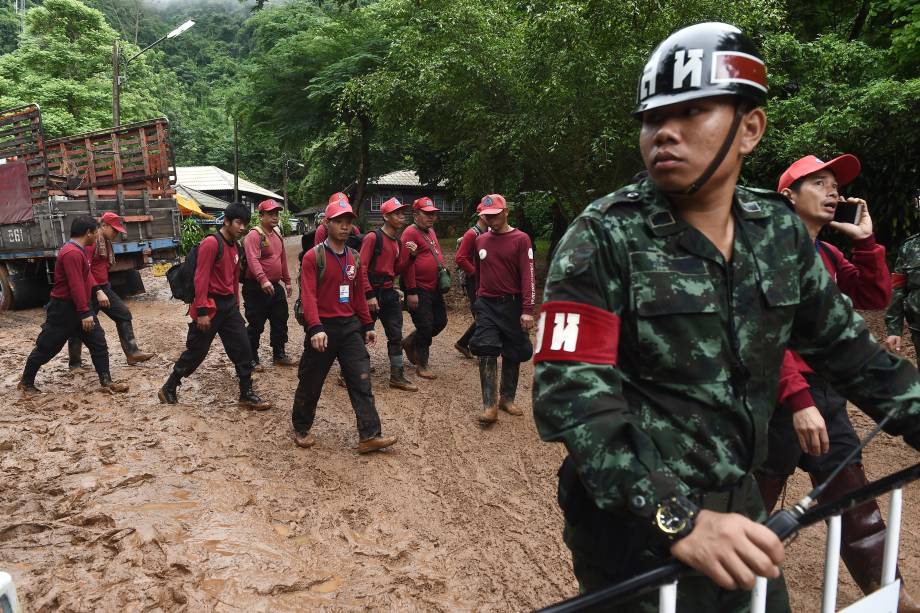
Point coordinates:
[[356, 256], [319, 251], [477, 229], [220, 246]]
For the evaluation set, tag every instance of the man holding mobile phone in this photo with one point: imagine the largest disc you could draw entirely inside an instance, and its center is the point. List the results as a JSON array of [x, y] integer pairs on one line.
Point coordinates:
[[811, 429]]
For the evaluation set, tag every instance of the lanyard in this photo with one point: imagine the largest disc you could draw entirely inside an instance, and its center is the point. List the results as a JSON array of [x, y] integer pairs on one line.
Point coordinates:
[[343, 266]]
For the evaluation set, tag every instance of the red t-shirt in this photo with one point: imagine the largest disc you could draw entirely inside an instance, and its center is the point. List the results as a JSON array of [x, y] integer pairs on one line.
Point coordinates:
[[266, 259], [505, 263], [322, 299], [392, 260], [72, 279], [98, 266], [422, 270], [213, 278], [466, 253]]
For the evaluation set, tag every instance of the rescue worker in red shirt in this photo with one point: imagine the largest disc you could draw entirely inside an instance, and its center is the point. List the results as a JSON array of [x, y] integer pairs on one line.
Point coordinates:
[[70, 311], [503, 310], [384, 258], [466, 262], [216, 310], [264, 299], [810, 428], [101, 256], [354, 238], [424, 299], [338, 326]]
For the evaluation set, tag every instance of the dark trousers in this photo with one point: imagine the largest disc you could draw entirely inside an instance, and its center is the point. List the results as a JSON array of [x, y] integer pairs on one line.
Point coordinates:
[[915, 338], [784, 454], [259, 308], [346, 344], [430, 317], [117, 311], [390, 314], [498, 329], [469, 285], [62, 322], [229, 325]]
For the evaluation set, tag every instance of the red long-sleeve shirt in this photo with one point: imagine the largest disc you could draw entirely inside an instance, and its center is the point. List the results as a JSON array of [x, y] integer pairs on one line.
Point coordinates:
[[321, 298], [466, 253], [321, 233], [422, 270], [72, 279], [505, 263], [866, 281], [213, 278], [392, 260], [98, 266], [266, 259]]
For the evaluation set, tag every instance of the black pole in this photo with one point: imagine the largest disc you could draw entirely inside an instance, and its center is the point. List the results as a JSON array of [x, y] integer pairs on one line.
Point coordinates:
[[236, 161]]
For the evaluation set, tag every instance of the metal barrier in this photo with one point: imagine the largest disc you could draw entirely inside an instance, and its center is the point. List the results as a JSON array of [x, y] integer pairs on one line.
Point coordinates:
[[8, 601]]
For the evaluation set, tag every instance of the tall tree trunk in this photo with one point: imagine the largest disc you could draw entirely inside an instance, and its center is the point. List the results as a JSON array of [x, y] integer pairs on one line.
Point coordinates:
[[560, 224], [860, 20], [363, 164]]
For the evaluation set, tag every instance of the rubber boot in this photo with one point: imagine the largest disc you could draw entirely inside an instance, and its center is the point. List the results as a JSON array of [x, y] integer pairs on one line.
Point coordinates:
[[862, 535], [488, 375], [771, 486], [129, 343], [249, 399], [105, 380], [74, 351], [168, 394], [511, 371], [26, 384], [408, 345]]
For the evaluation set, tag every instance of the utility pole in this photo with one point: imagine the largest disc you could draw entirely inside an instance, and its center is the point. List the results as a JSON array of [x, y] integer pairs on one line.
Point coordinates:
[[236, 161], [284, 178], [21, 10], [116, 90]]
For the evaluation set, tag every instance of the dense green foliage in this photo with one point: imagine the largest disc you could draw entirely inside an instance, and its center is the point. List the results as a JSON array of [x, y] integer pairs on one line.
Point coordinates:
[[529, 98]]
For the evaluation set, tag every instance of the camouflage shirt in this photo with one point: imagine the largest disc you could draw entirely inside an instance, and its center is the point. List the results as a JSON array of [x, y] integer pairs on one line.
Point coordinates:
[[905, 281], [672, 392]]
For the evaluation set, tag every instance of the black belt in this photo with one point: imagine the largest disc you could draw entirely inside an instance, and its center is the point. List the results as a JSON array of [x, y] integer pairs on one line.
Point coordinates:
[[502, 299], [726, 501]]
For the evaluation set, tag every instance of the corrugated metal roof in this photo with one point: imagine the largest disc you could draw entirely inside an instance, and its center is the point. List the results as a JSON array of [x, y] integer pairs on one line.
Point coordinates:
[[205, 201], [212, 178], [401, 178]]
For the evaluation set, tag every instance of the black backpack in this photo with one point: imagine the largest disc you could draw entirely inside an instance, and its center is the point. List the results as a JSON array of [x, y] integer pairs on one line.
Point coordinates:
[[181, 277], [375, 279]]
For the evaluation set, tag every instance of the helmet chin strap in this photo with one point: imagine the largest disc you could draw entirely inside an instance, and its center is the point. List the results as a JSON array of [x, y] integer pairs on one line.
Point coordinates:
[[717, 160]]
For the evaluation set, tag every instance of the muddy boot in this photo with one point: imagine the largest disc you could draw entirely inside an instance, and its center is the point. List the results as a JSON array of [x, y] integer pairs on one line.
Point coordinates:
[[168, 394], [488, 375], [771, 486], [464, 350], [862, 536], [281, 358], [249, 399], [408, 345], [375, 444], [398, 380], [304, 440], [129, 344], [511, 371], [27, 390], [257, 366], [113, 387], [74, 351]]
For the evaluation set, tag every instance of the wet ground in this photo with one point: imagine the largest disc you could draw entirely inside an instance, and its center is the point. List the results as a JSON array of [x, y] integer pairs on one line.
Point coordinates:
[[119, 503]]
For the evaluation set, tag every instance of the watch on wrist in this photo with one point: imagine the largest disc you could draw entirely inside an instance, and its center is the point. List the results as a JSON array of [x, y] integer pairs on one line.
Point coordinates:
[[676, 517]]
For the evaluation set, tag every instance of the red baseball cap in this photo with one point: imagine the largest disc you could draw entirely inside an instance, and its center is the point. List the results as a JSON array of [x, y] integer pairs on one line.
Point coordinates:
[[339, 208], [479, 208], [393, 204], [492, 204], [424, 204], [338, 196], [113, 220], [268, 205], [845, 167]]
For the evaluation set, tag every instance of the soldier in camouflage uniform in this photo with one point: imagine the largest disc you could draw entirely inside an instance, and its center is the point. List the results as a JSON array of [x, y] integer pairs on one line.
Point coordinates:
[[667, 309], [905, 299]]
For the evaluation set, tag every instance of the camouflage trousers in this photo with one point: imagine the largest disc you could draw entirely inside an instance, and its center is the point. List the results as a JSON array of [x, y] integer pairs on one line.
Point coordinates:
[[609, 548]]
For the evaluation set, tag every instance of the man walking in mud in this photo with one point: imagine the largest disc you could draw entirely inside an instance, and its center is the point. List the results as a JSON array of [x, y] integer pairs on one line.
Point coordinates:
[[216, 311], [905, 298], [668, 306], [70, 313], [101, 256], [503, 308], [466, 262], [338, 326]]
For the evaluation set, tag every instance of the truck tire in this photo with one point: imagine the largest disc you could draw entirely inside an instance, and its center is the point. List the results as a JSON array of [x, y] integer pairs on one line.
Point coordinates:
[[127, 283], [21, 289], [6, 289]]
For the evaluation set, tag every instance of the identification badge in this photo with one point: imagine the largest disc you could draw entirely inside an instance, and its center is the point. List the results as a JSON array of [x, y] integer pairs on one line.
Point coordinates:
[[344, 293]]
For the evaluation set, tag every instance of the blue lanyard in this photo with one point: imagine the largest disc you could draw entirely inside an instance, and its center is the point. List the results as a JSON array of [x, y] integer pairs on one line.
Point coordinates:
[[344, 266]]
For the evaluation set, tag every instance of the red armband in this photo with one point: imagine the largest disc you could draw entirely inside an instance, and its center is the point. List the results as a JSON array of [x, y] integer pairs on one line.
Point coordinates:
[[577, 332], [898, 279]]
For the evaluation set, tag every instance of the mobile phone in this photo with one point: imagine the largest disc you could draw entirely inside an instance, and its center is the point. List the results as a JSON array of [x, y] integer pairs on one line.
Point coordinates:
[[847, 212]]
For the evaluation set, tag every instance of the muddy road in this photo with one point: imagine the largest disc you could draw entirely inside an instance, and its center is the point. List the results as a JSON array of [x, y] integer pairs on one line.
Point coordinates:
[[119, 503]]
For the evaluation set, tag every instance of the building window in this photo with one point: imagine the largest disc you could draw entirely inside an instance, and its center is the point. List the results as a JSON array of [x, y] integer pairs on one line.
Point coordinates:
[[376, 201]]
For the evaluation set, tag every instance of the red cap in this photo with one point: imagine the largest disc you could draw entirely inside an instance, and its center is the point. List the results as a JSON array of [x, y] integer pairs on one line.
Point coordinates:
[[338, 208], [393, 204], [424, 204], [268, 205], [113, 220], [338, 196], [492, 204], [845, 167], [479, 208]]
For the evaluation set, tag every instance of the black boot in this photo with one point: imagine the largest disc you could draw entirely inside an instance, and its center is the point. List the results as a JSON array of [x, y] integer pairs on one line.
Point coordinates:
[[74, 351], [511, 371], [281, 358], [488, 375], [771, 486], [168, 394], [105, 380], [129, 343], [249, 399]]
